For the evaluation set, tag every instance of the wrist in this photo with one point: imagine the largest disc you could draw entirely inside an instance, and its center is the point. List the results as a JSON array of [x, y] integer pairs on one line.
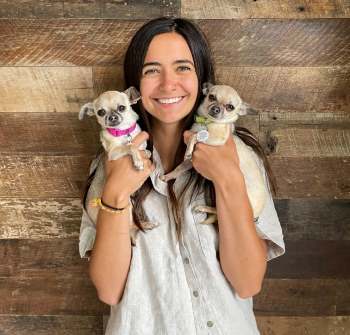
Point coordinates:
[[232, 178], [115, 200]]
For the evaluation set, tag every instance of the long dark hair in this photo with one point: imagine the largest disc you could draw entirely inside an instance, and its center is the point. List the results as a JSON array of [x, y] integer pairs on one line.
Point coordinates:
[[133, 62]]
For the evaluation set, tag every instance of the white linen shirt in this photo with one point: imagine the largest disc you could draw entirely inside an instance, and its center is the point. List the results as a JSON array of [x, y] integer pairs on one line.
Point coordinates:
[[177, 288]]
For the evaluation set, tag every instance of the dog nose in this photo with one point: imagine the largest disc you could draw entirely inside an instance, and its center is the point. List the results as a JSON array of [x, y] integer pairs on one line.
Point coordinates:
[[112, 118], [215, 110]]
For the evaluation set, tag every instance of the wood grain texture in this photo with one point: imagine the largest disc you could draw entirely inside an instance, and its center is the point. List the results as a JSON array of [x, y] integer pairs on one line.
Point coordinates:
[[56, 176], [239, 9], [259, 42], [48, 133], [303, 259], [120, 9], [272, 325], [314, 219], [39, 219], [293, 89], [43, 176], [301, 219], [309, 134], [44, 89], [91, 325], [314, 89], [312, 259], [51, 324]]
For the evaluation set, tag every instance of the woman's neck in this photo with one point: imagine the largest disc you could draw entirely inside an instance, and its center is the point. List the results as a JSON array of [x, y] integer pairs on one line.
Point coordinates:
[[166, 139]]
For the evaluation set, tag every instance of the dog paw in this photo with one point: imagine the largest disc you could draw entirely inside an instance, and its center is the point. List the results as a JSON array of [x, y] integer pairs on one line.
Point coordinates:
[[148, 225], [138, 165], [148, 153]]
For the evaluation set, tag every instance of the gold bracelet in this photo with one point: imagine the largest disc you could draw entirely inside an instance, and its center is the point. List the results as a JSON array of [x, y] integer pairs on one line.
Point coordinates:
[[97, 202]]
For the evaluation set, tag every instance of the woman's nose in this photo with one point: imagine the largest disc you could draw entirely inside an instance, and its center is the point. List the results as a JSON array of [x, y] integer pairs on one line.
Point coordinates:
[[168, 81]]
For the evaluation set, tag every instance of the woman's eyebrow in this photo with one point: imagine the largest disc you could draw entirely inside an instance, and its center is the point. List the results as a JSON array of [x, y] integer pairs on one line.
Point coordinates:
[[179, 61]]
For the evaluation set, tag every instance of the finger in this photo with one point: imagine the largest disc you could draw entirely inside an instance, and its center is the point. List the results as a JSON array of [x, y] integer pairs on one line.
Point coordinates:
[[140, 138], [187, 135]]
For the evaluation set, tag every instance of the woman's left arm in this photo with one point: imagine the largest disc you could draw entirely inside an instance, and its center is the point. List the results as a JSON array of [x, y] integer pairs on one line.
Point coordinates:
[[242, 253]]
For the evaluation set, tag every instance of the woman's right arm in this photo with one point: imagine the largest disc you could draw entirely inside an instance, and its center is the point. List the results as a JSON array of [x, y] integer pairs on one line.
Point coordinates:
[[111, 254]]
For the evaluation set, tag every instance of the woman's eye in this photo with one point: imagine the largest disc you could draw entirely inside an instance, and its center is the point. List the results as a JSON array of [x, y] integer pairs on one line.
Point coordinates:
[[121, 108], [184, 68], [211, 97], [230, 107], [101, 112], [150, 71]]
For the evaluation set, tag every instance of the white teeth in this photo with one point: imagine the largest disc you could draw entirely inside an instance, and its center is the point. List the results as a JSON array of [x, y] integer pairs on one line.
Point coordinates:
[[169, 101]]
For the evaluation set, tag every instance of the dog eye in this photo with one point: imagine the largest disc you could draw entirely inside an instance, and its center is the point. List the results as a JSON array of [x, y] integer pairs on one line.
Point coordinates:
[[230, 107], [121, 108], [101, 112], [211, 97]]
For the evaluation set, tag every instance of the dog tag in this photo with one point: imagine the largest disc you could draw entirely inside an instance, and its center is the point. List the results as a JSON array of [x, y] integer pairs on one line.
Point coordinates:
[[202, 135]]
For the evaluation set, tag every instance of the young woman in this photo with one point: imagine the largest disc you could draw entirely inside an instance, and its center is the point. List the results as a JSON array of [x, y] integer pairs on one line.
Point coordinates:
[[181, 277]]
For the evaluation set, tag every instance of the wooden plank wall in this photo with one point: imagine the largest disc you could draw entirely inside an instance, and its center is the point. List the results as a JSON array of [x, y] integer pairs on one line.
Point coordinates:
[[289, 59]]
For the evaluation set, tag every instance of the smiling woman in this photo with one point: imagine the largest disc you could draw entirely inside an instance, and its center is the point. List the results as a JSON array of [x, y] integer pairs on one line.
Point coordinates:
[[181, 277], [169, 83]]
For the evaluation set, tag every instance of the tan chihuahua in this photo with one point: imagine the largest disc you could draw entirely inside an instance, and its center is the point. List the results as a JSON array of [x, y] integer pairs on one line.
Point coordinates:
[[214, 123]]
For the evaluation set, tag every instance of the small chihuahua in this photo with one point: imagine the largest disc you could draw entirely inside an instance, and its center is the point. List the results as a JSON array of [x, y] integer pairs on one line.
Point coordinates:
[[118, 121], [119, 126], [214, 123]]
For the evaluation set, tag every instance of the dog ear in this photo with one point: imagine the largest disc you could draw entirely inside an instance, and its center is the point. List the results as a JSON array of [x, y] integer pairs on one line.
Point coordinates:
[[206, 87], [245, 109], [88, 109], [133, 94]]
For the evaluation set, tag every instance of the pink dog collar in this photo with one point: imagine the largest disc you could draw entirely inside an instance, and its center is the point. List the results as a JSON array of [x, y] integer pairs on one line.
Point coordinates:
[[120, 132]]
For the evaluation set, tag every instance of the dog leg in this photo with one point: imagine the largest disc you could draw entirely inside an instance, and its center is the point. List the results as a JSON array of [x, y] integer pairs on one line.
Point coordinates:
[[210, 219], [136, 158], [180, 169], [117, 152], [190, 147]]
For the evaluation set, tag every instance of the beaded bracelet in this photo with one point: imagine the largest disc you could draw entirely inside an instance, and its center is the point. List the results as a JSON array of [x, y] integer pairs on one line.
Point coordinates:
[[97, 202]]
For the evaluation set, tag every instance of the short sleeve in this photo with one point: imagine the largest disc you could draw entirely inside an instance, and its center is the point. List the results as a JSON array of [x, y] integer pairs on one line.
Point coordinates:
[[87, 235], [87, 226], [268, 225]]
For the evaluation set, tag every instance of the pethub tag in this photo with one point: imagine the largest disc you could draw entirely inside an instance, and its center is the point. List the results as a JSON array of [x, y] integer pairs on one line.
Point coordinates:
[[202, 136]]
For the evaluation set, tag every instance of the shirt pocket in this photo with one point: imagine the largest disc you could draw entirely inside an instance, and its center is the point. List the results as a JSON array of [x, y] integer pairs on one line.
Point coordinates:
[[207, 233]]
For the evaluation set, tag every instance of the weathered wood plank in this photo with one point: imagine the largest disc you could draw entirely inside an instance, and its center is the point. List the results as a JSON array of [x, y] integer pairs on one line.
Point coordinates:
[[63, 89], [303, 259], [301, 219], [91, 325], [312, 259], [44, 89], [53, 133], [76, 296], [51, 324], [307, 177], [39, 219], [314, 219], [290, 88], [42, 176], [258, 42], [312, 297], [275, 325], [239, 9], [88, 9], [306, 141]]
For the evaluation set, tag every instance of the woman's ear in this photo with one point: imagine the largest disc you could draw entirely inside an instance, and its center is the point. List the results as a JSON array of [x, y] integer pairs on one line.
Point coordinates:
[[206, 87], [133, 95]]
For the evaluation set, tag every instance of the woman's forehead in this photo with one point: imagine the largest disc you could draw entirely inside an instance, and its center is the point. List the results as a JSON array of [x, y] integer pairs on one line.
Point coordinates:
[[168, 48]]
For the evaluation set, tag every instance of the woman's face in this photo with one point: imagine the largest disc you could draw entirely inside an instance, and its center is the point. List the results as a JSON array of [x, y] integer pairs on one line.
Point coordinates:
[[169, 83]]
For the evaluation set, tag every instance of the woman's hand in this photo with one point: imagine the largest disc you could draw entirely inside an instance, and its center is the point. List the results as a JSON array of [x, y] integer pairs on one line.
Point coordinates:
[[122, 179], [214, 162]]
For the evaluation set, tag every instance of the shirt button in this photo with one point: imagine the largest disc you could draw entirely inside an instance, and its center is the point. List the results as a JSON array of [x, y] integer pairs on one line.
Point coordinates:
[[195, 293], [187, 261], [210, 323]]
